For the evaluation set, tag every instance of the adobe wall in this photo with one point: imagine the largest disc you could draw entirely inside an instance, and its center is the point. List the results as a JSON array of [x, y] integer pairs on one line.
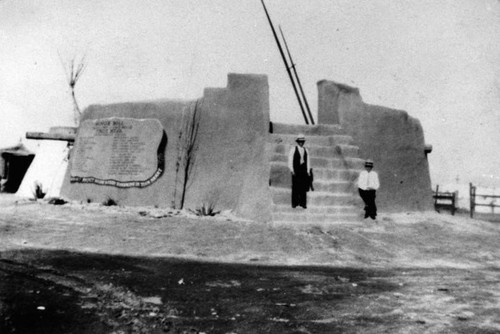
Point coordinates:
[[393, 139], [231, 162]]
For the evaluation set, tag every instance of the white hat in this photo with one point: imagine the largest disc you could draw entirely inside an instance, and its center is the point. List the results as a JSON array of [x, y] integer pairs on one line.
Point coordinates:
[[301, 137]]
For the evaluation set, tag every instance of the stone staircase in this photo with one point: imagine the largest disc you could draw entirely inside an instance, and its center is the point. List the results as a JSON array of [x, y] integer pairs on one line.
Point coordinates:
[[336, 165]]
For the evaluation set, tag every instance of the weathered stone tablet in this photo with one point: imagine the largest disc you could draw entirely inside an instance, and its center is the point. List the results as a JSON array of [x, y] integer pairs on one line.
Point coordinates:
[[119, 152]]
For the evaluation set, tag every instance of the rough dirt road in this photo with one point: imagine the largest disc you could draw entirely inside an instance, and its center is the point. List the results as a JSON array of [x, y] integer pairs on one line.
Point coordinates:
[[69, 292]]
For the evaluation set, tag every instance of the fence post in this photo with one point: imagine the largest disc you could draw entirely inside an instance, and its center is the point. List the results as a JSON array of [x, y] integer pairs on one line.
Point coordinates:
[[472, 198], [454, 203], [435, 197]]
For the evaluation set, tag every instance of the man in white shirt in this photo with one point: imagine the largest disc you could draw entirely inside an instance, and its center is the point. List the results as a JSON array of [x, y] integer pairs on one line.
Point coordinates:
[[300, 167], [368, 184]]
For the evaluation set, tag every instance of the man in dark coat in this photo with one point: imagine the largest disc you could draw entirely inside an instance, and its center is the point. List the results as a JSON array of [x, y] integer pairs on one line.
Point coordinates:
[[299, 165]]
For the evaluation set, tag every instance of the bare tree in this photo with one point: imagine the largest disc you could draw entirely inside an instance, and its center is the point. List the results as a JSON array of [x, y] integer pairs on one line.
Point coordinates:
[[187, 147], [74, 69]]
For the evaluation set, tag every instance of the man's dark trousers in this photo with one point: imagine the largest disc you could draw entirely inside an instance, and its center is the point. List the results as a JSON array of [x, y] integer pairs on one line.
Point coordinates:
[[368, 197], [300, 186]]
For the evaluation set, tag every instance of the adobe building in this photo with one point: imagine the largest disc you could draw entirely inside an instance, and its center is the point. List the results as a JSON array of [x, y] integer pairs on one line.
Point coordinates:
[[392, 138], [221, 150]]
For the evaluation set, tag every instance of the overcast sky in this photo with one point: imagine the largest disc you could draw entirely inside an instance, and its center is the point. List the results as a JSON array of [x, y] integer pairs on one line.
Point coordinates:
[[437, 59]]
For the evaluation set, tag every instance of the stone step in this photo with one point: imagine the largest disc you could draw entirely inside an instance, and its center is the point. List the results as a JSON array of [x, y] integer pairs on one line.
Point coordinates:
[[314, 198], [307, 130], [317, 210], [280, 174], [341, 150], [328, 174], [335, 186], [330, 140], [331, 163]]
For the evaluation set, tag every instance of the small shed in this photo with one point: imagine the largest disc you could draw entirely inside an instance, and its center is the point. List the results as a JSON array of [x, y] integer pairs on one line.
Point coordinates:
[[14, 162]]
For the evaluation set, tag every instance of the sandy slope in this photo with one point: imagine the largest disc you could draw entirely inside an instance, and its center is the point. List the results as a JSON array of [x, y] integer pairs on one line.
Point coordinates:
[[394, 240]]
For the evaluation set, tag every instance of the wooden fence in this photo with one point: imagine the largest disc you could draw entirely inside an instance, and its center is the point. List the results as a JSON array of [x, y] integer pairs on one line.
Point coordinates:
[[473, 202], [445, 200]]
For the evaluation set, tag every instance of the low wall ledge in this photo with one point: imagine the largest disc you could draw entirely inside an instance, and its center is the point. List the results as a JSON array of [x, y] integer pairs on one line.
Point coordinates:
[[340, 86]]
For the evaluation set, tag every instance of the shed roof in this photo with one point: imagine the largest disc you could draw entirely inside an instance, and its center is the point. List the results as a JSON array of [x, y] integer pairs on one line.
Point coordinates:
[[19, 150]]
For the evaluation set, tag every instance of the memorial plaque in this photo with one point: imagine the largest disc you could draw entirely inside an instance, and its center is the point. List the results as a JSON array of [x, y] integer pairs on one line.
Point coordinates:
[[120, 152]]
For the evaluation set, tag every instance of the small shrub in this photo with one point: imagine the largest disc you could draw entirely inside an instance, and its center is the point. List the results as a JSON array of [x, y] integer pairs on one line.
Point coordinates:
[[57, 201], [109, 202], [38, 192], [206, 209]]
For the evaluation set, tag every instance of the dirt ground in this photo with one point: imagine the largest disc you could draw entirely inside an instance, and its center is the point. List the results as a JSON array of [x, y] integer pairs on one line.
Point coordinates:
[[403, 273]]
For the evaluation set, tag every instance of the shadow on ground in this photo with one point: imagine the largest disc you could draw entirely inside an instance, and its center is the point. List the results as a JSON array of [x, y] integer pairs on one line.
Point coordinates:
[[44, 291], [54, 291]]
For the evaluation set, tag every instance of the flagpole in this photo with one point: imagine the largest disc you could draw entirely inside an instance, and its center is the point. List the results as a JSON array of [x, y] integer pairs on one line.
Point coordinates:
[[286, 63], [297, 77]]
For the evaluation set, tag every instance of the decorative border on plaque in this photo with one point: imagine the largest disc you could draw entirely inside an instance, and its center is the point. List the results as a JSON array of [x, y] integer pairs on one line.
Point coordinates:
[[113, 130], [119, 184]]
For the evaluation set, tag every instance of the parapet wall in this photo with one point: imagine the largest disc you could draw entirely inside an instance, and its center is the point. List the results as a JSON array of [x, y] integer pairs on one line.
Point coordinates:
[[231, 165], [393, 139]]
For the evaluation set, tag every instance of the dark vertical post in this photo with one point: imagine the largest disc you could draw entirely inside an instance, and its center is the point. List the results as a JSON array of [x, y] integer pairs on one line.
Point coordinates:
[[436, 198], [292, 65], [472, 195], [285, 61], [453, 203]]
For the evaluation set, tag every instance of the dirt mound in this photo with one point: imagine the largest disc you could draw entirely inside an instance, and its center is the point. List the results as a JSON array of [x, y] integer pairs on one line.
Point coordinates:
[[397, 240]]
